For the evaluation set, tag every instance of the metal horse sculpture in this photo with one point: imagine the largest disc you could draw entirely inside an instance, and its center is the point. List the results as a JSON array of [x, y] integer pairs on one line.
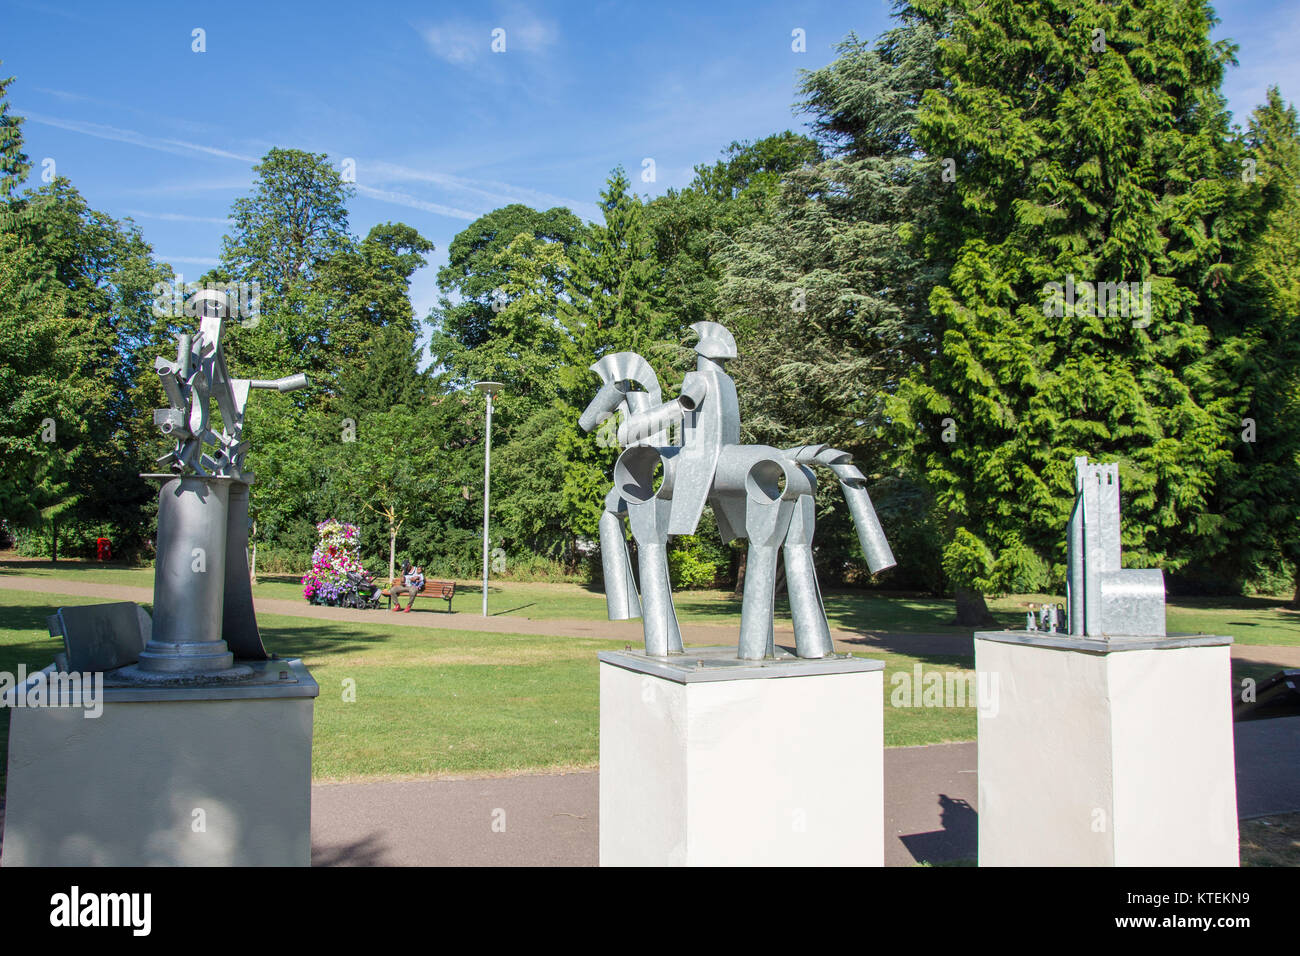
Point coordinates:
[[757, 492]]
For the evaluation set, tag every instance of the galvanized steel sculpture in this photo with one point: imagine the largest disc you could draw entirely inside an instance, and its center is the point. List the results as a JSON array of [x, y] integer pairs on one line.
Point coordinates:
[[757, 492], [1105, 598], [203, 615]]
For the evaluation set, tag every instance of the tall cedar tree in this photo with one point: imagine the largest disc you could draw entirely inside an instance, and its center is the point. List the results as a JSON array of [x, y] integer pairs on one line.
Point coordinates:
[[1256, 324], [831, 288], [1088, 144]]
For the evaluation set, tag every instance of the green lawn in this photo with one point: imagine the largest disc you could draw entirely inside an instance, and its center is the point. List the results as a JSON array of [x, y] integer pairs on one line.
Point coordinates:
[[451, 702], [433, 702], [1255, 620], [459, 701]]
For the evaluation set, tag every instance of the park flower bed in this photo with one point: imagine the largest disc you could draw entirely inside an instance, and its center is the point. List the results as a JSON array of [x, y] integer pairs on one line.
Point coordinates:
[[336, 556]]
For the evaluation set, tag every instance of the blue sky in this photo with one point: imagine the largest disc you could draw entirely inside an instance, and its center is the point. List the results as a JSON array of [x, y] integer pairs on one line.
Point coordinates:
[[441, 128]]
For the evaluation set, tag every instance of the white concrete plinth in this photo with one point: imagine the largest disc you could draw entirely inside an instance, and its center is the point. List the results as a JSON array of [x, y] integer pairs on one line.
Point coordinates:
[[730, 762], [165, 776], [1102, 752]]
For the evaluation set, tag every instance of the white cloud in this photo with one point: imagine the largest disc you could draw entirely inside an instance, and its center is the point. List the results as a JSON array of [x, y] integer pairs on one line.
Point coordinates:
[[191, 187], [116, 134], [457, 43], [497, 193], [411, 202], [525, 31], [1266, 58], [192, 260], [176, 217], [461, 43]]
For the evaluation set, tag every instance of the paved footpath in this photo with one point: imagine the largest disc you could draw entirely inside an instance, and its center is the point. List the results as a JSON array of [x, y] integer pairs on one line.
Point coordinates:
[[627, 631], [931, 809], [552, 819]]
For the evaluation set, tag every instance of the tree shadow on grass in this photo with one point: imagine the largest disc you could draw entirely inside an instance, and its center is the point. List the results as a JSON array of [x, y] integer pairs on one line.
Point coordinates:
[[16, 567], [522, 607], [314, 639], [1230, 602]]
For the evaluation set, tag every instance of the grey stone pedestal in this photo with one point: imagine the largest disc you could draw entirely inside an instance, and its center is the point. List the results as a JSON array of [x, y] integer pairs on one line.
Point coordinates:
[[214, 774], [1105, 751], [710, 760]]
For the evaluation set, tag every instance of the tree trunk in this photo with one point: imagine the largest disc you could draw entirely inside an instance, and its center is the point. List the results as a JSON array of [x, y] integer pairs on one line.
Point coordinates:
[[740, 574], [1295, 598], [54, 541], [392, 549], [971, 610]]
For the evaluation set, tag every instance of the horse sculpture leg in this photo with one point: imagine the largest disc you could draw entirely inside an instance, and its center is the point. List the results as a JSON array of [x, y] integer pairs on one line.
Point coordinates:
[[812, 634], [649, 522], [621, 601], [766, 523]]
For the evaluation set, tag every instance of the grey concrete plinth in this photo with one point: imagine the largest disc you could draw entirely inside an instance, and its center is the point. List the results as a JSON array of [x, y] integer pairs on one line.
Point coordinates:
[[709, 760], [192, 774], [1105, 751]]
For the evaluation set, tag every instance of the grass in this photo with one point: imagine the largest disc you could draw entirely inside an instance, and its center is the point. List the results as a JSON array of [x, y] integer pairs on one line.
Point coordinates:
[[1271, 841], [435, 702], [452, 702], [1248, 620], [432, 702]]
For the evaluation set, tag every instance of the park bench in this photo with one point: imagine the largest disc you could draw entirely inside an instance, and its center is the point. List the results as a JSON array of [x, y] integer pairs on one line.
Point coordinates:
[[434, 589]]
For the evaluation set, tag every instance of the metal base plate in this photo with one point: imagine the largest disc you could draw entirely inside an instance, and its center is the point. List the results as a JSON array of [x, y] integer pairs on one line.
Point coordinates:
[[132, 674], [1105, 644], [720, 663]]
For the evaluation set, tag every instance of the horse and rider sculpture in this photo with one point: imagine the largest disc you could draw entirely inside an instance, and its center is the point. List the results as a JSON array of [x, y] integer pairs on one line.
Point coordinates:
[[757, 492]]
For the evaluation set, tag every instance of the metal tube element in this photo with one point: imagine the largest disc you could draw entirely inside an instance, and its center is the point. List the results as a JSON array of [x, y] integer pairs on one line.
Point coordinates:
[[639, 427], [812, 633], [875, 546], [649, 521], [189, 579], [487, 483], [757, 640], [601, 407], [289, 383], [184, 348], [621, 599], [662, 635], [766, 522], [1074, 576], [239, 622]]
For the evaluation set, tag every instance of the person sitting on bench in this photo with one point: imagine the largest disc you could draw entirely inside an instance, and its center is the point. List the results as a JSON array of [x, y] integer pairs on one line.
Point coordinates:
[[412, 582]]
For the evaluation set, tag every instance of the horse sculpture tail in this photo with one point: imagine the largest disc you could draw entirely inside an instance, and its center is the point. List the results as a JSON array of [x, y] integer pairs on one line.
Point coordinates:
[[875, 546]]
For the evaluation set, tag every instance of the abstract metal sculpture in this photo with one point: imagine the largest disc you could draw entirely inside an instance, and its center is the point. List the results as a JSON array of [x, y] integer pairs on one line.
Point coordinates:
[[203, 601], [757, 492], [1105, 599]]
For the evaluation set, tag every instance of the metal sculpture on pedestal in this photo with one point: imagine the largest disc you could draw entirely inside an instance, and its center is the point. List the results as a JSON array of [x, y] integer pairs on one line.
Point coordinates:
[[203, 615], [757, 492], [1105, 598]]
